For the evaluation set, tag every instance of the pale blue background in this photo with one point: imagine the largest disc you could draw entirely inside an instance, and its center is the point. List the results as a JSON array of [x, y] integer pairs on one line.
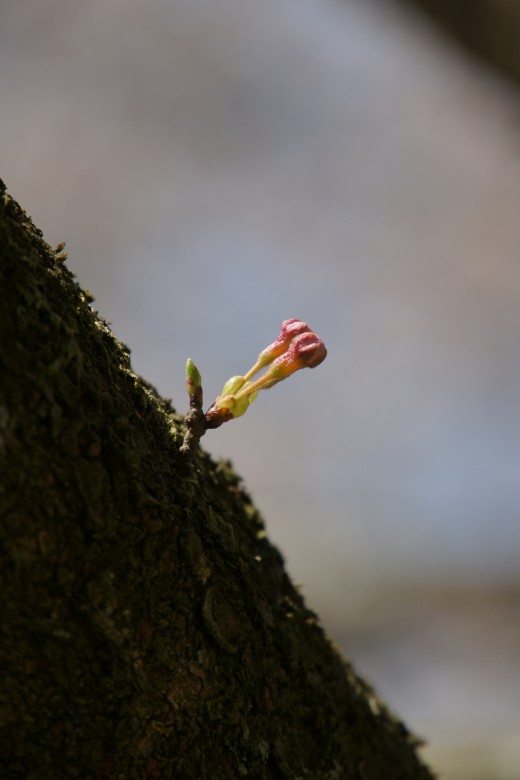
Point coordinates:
[[216, 168]]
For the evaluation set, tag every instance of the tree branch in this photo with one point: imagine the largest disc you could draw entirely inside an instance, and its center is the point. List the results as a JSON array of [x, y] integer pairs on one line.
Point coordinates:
[[149, 629]]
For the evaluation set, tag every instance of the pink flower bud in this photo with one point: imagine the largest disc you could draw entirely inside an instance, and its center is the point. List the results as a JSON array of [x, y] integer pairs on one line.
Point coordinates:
[[307, 350], [296, 347], [288, 331]]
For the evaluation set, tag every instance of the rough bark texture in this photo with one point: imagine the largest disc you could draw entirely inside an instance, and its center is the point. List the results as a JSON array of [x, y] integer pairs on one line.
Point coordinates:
[[148, 627], [490, 28]]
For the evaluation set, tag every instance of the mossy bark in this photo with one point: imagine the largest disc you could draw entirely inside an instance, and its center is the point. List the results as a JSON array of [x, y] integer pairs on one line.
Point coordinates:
[[149, 629]]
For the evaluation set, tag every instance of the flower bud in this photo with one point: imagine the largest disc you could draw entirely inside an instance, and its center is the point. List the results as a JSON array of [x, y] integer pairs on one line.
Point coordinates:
[[307, 350], [288, 331], [233, 385], [237, 406], [296, 347]]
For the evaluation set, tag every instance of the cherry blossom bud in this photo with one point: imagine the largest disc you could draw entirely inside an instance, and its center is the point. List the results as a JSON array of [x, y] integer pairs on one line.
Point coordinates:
[[296, 347], [288, 331], [305, 351], [308, 349], [233, 385]]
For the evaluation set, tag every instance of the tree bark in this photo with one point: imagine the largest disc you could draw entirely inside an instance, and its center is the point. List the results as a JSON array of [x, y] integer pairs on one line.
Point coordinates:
[[489, 28], [149, 629]]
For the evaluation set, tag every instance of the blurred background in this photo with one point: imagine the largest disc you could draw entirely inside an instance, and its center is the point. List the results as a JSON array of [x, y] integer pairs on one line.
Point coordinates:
[[216, 168]]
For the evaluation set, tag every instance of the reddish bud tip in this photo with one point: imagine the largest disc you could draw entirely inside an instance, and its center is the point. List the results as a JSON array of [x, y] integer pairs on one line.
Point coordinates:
[[293, 327], [306, 350], [288, 331], [296, 347], [309, 349]]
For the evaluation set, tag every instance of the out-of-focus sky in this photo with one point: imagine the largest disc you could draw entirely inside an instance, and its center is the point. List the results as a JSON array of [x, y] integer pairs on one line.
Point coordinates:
[[216, 168]]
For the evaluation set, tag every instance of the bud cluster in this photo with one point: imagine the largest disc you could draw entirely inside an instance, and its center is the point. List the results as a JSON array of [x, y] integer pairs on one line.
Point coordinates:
[[296, 347]]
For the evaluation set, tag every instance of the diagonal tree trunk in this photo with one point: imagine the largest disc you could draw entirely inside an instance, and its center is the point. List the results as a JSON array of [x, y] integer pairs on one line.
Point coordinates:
[[149, 629]]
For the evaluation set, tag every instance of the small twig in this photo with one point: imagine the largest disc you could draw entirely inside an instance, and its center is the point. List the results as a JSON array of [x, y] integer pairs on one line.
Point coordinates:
[[195, 422]]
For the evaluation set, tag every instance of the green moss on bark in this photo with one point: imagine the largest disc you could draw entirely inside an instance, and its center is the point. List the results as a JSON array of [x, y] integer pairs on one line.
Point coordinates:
[[149, 629]]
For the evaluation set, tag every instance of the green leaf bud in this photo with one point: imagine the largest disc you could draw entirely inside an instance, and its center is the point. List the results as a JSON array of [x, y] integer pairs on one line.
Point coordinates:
[[193, 379], [233, 385]]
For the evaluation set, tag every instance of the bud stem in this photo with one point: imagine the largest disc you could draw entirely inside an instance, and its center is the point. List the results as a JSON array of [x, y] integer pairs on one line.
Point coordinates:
[[195, 420]]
